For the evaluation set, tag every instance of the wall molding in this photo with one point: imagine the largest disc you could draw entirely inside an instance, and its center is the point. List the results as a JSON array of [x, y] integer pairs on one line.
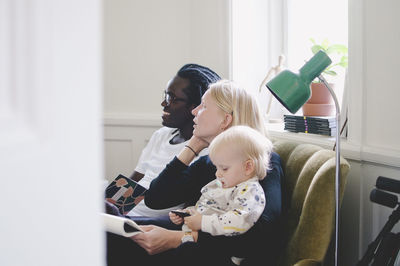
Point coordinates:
[[380, 155], [132, 119], [125, 136]]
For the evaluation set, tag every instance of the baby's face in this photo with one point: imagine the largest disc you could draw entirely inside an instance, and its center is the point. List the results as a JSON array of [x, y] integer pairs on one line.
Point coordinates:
[[231, 167]]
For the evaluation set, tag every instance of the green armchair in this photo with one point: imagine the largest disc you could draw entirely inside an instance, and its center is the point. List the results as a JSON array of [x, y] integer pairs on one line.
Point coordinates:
[[309, 200]]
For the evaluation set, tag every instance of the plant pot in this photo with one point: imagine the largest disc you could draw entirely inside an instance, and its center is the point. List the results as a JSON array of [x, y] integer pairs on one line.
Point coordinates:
[[321, 102], [320, 93], [318, 109]]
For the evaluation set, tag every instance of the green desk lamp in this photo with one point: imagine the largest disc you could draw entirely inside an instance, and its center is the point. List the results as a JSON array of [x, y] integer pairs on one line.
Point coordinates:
[[293, 90]]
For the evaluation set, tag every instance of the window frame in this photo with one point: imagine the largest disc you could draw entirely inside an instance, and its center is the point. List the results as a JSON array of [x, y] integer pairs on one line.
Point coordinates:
[[351, 147]]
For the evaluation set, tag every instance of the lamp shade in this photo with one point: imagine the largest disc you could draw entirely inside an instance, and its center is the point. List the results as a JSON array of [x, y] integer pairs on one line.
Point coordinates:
[[293, 89]]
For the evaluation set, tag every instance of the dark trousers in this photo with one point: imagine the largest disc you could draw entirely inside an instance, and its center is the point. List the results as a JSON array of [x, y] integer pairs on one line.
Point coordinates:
[[124, 251]]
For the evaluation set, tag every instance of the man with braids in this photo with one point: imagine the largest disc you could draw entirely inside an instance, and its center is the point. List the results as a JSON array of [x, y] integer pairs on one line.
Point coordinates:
[[182, 95]]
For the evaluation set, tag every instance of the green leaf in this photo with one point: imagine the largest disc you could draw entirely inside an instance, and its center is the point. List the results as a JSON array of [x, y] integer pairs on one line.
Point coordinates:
[[337, 48], [332, 66], [325, 44], [344, 61], [339, 51], [330, 72], [316, 48]]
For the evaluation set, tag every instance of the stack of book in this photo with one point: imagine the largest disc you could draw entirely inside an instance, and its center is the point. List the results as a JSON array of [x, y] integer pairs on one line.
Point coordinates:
[[311, 124]]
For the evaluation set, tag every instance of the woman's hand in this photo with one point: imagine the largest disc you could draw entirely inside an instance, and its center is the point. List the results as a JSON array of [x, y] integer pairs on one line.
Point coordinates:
[[196, 146], [194, 221], [156, 239]]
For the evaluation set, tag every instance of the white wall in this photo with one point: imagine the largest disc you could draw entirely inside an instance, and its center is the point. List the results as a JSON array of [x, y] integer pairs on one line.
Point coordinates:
[[123, 143], [145, 43], [381, 67], [379, 154]]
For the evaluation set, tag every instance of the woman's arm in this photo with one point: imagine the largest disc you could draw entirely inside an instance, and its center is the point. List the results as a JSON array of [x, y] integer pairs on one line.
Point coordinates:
[[179, 183], [156, 239]]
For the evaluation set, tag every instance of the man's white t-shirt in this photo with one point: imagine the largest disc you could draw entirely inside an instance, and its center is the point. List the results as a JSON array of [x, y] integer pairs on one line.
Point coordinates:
[[155, 156]]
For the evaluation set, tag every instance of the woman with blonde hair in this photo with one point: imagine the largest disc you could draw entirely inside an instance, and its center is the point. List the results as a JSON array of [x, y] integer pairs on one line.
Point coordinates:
[[222, 106], [239, 103]]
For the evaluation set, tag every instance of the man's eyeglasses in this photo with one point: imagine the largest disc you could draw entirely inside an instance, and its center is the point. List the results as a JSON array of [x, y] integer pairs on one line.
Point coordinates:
[[169, 98]]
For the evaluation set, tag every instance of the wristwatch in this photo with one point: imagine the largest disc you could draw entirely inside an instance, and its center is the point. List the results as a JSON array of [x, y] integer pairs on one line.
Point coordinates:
[[187, 237]]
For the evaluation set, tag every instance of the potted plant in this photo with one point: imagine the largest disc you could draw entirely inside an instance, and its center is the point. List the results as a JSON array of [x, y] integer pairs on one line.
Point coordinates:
[[321, 102]]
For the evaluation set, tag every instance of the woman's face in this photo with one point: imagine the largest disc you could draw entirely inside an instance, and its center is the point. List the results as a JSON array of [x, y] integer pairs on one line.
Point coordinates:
[[209, 119]]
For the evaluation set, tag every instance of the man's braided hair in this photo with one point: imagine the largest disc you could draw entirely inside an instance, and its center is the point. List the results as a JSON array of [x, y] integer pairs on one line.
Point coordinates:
[[200, 77]]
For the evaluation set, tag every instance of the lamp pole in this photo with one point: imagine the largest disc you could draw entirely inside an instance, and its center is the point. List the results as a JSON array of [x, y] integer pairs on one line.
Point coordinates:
[[293, 90], [337, 172]]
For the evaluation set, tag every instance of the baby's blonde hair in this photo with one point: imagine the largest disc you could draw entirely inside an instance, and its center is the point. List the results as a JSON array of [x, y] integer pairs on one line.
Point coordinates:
[[250, 143], [239, 103]]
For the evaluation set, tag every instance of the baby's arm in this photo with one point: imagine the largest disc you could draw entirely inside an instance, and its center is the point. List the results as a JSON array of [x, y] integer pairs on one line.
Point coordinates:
[[194, 221], [246, 207]]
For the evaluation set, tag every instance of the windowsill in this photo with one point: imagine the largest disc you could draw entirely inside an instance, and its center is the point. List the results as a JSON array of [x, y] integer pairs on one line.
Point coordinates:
[[348, 149], [277, 131]]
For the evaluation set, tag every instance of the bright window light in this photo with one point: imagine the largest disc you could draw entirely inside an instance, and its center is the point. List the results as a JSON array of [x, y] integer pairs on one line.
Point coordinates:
[[264, 30], [321, 20]]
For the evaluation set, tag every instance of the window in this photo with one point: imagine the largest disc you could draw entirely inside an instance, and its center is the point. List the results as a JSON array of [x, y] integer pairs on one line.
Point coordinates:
[[263, 30], [322, 20]]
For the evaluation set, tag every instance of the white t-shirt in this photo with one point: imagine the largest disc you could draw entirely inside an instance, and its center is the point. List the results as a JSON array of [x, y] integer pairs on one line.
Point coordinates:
[[155, 156]]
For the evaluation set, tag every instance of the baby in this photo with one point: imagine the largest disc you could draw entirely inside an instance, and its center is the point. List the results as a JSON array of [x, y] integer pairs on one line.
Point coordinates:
[[232, 203]]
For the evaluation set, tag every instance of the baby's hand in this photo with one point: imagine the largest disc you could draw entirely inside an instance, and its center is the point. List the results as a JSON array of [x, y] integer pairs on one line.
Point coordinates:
[[194, 221], [175, 218]]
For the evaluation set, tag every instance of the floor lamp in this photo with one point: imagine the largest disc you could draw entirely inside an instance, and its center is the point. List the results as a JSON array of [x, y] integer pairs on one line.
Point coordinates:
[[293, 90]]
